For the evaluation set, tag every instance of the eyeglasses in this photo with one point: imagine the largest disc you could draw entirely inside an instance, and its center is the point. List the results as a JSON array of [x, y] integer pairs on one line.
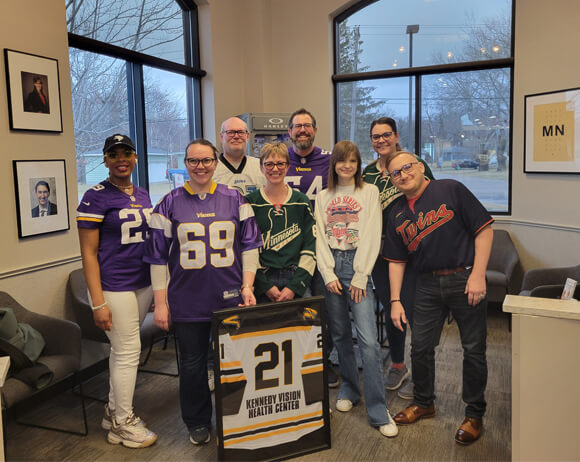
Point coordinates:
[[301, 126], [233, 133], [271, 165], [396, 174], [378, 136], [127, 154], [206, 162]]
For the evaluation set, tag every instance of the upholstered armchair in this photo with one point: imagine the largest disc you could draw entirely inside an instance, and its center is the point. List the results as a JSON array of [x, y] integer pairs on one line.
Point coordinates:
[[502, 262], [548, 282]]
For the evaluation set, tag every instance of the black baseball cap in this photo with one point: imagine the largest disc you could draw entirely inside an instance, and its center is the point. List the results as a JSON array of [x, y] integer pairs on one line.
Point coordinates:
[[118, 140]]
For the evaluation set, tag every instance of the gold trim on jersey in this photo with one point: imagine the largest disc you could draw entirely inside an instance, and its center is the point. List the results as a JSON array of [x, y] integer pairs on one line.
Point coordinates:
[[270, 423]]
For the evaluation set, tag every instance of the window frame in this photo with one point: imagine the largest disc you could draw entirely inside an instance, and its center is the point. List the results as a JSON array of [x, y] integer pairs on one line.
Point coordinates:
[[420, 71], [135, 61]]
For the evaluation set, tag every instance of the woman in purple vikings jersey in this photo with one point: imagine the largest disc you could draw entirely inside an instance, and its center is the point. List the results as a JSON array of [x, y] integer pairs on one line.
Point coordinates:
[[203, 252], [112, 220]]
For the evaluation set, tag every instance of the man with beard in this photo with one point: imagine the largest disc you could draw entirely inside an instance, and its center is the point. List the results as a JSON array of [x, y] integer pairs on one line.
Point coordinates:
[[308, 173], [308, 163], [234, 167]]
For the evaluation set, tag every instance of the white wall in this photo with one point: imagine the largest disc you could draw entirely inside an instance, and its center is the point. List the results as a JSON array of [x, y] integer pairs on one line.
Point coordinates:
[[43, 33], [545, 220]]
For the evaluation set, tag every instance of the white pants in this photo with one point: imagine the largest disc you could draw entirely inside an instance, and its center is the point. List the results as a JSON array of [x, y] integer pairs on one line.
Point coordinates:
[[128, 310]]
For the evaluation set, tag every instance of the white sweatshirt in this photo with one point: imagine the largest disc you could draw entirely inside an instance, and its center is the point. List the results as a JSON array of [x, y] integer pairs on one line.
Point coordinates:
[[346, 219]]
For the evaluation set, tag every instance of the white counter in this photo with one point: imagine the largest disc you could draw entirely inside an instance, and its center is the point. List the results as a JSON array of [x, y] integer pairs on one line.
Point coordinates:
[[545, 378]]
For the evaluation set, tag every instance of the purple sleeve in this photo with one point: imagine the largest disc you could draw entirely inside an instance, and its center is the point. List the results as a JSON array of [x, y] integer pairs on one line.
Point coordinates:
[[91, 211], [250, 236], [161, 234]]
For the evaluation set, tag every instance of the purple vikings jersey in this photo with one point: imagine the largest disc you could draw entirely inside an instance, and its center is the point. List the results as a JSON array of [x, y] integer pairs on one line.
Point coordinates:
[[201, 241], [309, 174], [123, 229]]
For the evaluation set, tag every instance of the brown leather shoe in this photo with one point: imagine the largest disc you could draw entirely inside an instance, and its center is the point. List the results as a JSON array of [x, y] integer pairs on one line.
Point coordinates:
[[469, 431], [413, 413]]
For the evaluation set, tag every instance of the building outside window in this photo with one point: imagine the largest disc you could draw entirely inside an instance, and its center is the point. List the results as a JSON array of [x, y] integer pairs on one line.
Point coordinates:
[[134, 70], [443, 70]]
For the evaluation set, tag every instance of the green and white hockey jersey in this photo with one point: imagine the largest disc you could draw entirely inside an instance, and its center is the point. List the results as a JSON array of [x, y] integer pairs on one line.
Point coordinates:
[[289, 236]]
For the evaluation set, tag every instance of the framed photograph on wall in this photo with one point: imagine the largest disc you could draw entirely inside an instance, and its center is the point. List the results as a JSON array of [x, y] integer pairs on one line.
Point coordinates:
[[552, 132], [41, 196], [33, 89]]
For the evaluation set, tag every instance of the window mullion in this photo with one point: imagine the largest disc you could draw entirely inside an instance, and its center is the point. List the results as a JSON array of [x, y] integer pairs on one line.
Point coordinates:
[[136, 101]]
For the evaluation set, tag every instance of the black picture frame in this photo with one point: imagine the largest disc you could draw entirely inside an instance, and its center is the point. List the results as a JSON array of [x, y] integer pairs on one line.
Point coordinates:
[[298, 382], [37, 181], [552, 132], [33, 87]]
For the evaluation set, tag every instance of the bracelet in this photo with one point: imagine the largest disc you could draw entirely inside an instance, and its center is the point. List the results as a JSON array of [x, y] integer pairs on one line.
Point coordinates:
[[95, 308], [397, 300], [247, 286]]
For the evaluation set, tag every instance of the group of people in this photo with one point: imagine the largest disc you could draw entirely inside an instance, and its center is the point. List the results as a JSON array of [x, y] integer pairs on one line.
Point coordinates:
[[295, 222]]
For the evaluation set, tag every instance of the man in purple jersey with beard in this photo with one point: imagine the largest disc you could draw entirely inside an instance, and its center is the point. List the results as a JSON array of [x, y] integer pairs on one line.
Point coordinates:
[[308, 163], [308, 173], [206, 236]]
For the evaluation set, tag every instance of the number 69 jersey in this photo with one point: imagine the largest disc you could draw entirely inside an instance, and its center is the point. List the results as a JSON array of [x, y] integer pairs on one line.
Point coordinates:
[[122, 221], [270, 378], [201, 239]]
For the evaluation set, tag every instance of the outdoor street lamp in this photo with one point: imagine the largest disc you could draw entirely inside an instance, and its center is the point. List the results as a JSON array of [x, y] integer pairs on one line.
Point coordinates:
[[411, 29]]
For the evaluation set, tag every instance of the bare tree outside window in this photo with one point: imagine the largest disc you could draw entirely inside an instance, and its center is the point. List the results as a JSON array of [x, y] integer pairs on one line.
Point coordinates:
[[462, 125], [102, 93]]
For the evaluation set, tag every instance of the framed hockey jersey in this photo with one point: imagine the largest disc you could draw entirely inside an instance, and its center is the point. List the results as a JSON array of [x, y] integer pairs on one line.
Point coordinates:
[[271, 394]]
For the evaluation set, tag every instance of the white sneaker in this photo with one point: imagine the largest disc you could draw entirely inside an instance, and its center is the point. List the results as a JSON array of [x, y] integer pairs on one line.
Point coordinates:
[[210, 380], [390, 429], [132, 433], [107, 421], [344, 405]]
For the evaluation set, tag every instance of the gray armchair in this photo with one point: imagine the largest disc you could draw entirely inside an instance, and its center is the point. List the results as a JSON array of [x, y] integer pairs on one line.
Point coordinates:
[[77, 297], [548, 282], [61, 354], [502, 262]]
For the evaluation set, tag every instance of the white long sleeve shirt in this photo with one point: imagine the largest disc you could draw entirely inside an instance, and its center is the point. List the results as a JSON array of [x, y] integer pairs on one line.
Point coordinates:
[[346, 219]]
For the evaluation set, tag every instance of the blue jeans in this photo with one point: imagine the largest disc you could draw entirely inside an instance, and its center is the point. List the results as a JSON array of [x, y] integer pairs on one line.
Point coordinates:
[[395, 337], [194, 394], [437, 296], [281, 277], [337, 307]]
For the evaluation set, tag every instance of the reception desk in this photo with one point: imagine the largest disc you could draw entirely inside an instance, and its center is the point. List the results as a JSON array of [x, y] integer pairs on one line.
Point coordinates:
[[545, 378]]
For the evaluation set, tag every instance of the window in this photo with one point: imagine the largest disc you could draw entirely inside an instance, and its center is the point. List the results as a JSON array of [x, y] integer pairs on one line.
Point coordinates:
[[443, 71], [134, 70]]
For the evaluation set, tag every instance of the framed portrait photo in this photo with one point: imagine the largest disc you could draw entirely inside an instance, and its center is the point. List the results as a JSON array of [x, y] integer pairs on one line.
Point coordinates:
[[33, 87], [552, 132], [41, 196]]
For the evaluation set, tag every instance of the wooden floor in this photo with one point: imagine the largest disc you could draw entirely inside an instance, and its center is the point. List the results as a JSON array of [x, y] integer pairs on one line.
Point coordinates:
[[157, 402]]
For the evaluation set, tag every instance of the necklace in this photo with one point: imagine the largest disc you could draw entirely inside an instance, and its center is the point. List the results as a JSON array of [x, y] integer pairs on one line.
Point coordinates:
[[123, 188]]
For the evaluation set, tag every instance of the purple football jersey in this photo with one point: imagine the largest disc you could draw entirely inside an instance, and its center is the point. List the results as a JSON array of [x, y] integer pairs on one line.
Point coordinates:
[[122, 221], [201, 239], [309, 174]]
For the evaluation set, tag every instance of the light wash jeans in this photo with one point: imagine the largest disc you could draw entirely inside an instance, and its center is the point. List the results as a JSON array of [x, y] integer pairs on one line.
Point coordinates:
[[337, 307]]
